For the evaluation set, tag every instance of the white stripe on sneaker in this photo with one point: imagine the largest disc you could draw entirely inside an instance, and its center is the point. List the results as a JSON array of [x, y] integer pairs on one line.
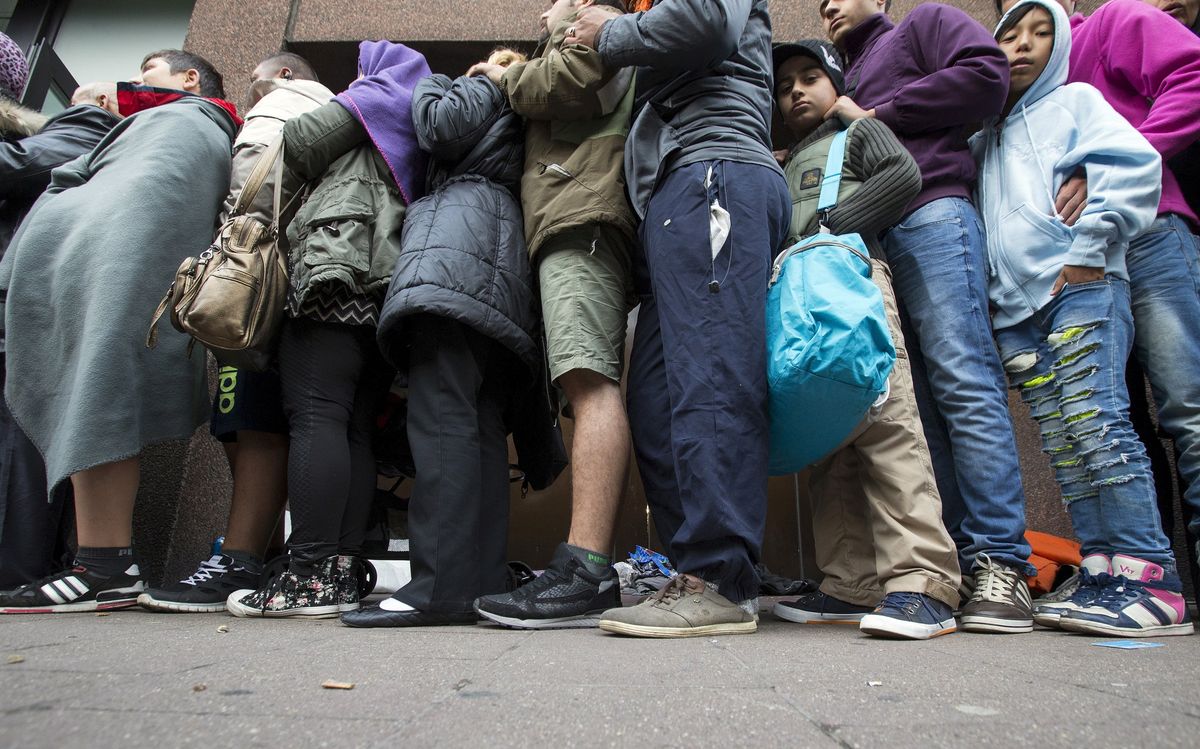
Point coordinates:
[[1168, 610], [50, 592], [67, 591], [77, 584], [1142, 615]]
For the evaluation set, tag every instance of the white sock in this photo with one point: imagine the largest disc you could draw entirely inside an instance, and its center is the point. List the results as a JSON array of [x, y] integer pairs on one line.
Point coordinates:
[[394, 604]]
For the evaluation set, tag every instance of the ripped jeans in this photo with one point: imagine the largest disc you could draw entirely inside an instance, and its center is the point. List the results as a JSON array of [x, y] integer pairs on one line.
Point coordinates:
[[1068, 362]]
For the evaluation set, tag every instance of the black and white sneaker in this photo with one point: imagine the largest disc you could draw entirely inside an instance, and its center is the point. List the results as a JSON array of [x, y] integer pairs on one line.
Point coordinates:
[[206, 590], [565, 596], [76, 589]]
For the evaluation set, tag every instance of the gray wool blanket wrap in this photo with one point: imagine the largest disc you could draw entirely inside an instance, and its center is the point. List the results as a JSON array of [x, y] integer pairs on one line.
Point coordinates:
[[84, 274]]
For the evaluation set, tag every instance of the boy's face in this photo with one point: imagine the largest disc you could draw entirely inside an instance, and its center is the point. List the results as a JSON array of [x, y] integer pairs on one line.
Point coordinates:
[[1028, 45], [157, 72], [1184, 11], [803, 93], [839, 16]]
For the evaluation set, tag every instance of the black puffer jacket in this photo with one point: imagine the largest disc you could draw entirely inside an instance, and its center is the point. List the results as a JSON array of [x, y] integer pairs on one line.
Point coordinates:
[[31, 147], [463, 250]]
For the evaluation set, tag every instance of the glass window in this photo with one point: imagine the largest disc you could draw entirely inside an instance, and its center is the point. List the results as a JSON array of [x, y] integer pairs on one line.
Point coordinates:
[[105, 40], [56, 100], [6, 12]]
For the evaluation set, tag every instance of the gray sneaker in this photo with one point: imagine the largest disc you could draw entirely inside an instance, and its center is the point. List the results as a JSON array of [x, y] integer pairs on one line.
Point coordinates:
[[685, 607]]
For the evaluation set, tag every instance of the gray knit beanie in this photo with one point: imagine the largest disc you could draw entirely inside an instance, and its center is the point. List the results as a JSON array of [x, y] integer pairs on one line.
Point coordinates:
[[14, 69]]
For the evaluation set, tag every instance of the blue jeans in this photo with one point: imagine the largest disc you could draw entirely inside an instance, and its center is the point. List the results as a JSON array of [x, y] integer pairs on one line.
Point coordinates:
[[939, 269], [1164, 280], [1068, 362], [697, 394]]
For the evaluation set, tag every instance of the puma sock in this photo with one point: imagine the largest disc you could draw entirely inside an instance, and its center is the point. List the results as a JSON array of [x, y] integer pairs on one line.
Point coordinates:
[[108, 561], [593, 561]]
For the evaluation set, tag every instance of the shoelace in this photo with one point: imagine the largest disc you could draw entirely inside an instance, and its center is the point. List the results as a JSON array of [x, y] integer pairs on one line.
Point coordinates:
[[909, 603], [678, 587], [993, 582], [1117, 589], [209, 569]]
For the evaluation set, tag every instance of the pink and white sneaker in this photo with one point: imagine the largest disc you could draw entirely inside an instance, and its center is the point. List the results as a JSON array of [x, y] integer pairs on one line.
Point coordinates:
[[1133, 603]]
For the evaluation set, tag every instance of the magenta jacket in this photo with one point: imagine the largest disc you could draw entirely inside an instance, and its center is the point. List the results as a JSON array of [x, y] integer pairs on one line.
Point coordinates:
[[1147, 65]]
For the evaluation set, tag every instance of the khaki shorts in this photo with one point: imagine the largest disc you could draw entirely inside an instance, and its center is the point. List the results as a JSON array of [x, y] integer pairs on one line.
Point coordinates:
[[587, 291]]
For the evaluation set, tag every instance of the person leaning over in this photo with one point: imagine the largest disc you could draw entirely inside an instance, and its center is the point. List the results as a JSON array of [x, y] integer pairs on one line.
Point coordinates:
[[81, 382], [579, 228], [34, 529]]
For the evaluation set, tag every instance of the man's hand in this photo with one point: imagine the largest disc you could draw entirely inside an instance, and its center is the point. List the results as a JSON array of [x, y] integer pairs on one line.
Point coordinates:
[[1076, 274], [493, 72], [781, 155], [846, 110], [587, 26], [1072, 197]]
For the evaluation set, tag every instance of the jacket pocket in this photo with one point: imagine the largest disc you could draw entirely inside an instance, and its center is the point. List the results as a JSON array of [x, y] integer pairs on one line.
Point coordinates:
[[336, 228], [1032, 242]]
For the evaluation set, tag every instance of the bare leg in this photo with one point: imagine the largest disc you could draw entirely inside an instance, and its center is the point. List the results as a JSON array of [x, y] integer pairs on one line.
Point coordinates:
[[259, 491], [104, 498], [599, 457]]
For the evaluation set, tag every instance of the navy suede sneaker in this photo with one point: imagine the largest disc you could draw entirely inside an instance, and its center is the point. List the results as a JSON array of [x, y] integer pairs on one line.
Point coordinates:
[[909, 616], [819, 608]]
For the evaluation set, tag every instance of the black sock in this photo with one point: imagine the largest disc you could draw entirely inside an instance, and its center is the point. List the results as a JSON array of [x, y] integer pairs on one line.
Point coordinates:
[[247, 560], [593, 561], [107, 561]]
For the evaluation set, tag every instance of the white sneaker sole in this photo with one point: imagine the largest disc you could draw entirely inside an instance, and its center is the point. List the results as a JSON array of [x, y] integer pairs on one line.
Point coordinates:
[[1050, 621], [789, 614], [150, 603], [1085, 627], [234, 606], [886, 626], [642, 630], [995, 625]]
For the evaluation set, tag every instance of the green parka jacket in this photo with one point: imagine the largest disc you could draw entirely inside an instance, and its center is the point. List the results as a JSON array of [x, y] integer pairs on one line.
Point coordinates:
[[345, 239], [577, 119]]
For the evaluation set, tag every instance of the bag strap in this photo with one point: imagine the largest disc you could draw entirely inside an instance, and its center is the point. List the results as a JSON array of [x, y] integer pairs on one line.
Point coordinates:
[[831, 180], [258, 175]]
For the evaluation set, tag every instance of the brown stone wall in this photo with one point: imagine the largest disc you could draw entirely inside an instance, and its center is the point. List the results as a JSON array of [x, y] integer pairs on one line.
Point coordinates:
[[236, 35]]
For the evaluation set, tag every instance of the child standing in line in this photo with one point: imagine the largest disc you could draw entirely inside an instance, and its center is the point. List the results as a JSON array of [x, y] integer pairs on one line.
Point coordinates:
[[1063, 322], [889, 564]]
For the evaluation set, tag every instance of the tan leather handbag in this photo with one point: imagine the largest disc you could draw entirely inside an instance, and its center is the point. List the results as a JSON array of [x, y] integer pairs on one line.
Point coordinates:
[[231, 298]]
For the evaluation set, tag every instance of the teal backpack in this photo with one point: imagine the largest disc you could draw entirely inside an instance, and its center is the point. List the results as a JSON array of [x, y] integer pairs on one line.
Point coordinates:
[[829, 352]]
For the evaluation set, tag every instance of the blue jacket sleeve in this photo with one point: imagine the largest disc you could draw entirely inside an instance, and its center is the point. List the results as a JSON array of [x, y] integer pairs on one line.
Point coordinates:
[[451, 116], [675, 35], [1124, 176]]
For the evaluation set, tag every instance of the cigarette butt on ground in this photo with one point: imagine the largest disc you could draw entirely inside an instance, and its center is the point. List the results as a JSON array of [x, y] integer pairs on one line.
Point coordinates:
[[16, 659], [331, 684]]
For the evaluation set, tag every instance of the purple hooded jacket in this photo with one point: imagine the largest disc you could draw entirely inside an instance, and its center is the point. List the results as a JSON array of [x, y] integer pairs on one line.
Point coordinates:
[[932, 79], [382, 101]]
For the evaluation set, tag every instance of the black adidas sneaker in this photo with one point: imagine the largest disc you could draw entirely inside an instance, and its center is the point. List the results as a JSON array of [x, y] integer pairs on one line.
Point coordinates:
[[566, 595], [76, 589], [206, 590]]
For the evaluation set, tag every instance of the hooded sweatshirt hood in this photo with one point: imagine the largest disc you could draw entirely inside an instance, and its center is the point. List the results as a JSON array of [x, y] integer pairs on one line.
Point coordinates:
[[1055, 73]]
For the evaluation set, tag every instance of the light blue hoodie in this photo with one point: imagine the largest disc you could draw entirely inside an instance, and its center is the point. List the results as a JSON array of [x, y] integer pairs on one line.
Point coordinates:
[[1025, 157]]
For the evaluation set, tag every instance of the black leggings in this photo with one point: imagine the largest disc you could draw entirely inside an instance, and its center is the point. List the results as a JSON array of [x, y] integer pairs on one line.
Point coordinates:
[[334, 381]]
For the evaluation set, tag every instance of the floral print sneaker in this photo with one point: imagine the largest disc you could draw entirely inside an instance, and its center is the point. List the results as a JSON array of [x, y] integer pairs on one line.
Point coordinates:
[[288, 594], [348, 571]]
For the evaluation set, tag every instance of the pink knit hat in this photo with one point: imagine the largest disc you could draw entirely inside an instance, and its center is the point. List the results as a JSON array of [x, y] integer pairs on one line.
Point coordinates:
[[14, 69]]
